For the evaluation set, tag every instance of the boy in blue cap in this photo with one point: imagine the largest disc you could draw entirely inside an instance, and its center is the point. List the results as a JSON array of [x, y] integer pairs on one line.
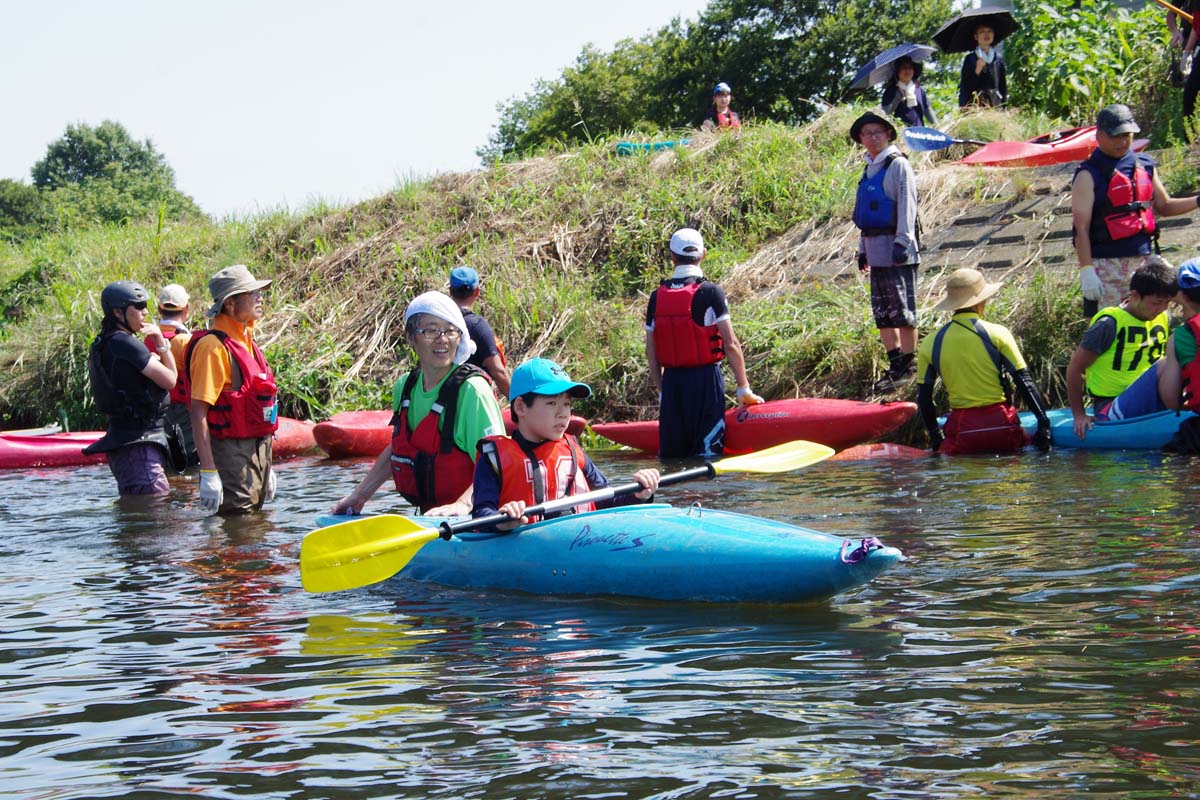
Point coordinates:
[[489, 352], [1179, 369], [541, 461]]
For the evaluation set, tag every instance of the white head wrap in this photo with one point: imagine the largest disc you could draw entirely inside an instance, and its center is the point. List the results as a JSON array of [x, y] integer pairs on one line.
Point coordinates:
[[439, 305]]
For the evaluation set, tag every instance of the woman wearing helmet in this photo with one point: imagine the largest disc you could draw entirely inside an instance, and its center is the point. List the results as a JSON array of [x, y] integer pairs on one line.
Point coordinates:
[[130, 384]]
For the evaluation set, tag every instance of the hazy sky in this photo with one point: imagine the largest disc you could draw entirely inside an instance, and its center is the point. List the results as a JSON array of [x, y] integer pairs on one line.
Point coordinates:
[[261, 104]]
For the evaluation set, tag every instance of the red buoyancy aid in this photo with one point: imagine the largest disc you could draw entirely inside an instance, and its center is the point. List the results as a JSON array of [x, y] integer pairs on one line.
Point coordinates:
[[178, 392], [678, 340], [1125, 207], [428, 468], [547, 472], [248, 411], [1190, 372], [727, 120]]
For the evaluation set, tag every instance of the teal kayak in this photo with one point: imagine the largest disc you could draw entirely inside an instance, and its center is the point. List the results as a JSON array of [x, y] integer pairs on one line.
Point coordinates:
[[654, 551], [1149, 432], [629, 148]]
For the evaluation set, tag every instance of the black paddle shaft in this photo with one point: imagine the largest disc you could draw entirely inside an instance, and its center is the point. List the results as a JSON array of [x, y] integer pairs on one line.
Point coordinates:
[[448, 529]]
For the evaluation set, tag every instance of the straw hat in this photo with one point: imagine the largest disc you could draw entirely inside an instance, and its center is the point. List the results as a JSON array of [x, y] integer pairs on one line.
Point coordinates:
[[964, 288]]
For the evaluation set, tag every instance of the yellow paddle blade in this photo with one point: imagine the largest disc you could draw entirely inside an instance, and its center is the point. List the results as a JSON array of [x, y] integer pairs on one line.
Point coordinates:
[[360, 552], [780, 458]]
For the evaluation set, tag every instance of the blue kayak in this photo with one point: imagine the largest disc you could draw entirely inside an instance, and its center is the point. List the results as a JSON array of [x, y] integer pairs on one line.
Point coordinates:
[[654, 551], [1149, 432], [629, 148]]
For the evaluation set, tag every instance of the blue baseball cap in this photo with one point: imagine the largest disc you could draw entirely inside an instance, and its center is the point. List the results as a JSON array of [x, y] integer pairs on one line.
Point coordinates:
[[1189, 274], [543, 376], [722, 88], [463, 276]]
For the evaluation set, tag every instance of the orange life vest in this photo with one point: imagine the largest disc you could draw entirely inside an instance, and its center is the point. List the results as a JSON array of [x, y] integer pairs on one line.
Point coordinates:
[[539, 474], [249, 409]]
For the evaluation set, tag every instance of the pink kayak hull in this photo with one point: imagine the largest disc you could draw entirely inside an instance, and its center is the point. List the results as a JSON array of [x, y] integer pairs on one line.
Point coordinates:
[[18, 451], [836, 423], [1060, 147], [352, 434], [880, 451]]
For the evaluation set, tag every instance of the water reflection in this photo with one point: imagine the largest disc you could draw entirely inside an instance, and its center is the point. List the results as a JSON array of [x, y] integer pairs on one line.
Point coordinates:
[[1039, 642]]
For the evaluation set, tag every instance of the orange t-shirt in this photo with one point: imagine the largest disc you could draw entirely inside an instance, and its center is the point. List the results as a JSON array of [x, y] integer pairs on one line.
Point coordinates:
[[211, 367]]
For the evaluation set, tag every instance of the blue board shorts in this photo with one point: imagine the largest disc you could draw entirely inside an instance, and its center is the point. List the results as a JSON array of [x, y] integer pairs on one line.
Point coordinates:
[[1140, 399]]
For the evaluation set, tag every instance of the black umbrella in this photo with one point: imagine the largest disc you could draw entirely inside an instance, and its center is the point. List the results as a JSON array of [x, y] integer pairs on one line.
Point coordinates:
[[958, 35], [882, 66]]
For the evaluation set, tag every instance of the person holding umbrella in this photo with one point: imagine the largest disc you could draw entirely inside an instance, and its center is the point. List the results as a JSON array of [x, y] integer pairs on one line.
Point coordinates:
[[904, 98], [976, 32]]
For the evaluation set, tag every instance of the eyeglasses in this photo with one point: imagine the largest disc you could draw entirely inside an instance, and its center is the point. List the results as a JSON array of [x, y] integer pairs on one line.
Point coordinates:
[[433, 334]]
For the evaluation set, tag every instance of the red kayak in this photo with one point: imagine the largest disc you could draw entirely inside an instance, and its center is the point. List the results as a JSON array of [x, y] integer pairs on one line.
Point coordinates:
[[837, 423], [18, 450], [1060, 147], [365, 433]]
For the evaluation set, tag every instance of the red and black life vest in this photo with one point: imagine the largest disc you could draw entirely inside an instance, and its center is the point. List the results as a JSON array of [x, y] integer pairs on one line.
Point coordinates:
[[428, 467], [678, 340], [1190, 372], [248, 411], [551, 470], [1124, 202], [178, 393]]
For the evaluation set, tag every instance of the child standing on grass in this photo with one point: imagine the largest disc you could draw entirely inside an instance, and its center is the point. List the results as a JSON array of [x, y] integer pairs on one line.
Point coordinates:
[[541, 461]]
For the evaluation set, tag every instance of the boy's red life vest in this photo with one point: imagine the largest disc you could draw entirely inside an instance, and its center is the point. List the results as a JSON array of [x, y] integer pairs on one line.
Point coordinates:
[[428, 468], [539, 474], [1124, 206], [678, 340], [178, 392], [248, 411], [1190, 372]]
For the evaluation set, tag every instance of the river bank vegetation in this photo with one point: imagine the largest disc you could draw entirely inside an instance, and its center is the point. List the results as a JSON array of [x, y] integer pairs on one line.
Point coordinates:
[[569, 238]]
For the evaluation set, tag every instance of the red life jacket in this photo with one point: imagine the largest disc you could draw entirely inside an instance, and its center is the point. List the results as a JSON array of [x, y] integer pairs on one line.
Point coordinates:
[[1190, 372], [178, 392], [427, 466], [727, 120], [1125, 207], [678, 340], [536, 475], [248, 411]]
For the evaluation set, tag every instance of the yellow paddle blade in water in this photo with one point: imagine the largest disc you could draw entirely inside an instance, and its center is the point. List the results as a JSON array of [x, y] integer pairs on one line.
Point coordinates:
[[780, 458], [360, 552]]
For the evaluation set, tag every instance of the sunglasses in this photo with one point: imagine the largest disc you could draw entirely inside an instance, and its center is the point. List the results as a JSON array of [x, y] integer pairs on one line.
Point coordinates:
[[142, 306]]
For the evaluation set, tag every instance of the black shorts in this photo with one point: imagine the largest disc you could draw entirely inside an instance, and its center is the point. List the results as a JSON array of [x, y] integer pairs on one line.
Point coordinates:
[[894, 296]]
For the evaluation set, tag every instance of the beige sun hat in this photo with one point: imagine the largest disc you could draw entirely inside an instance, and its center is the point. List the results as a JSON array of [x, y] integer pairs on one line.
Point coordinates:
[[173, 297], [230, 281], [964, 288]]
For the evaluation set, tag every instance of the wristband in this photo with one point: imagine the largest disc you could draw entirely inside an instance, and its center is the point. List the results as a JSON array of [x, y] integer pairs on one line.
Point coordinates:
[[743, 391]]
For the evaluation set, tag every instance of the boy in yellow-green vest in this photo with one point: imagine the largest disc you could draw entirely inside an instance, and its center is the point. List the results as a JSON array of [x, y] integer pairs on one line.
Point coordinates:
[[1123, 344]]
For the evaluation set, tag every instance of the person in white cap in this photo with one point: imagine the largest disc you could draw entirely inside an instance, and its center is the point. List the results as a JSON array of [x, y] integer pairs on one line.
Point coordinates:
[[688, 334], [173, 309], [441, 409], [1116, 195], [978, 362], [234, 400]]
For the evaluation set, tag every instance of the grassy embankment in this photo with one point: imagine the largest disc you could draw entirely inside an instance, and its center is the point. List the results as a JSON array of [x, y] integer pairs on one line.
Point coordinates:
[[568, 243]]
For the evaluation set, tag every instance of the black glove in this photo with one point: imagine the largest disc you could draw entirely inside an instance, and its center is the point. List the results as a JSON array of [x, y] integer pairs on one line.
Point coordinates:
[[862, 262], [935, 440], [899, 255], [1042, 439]]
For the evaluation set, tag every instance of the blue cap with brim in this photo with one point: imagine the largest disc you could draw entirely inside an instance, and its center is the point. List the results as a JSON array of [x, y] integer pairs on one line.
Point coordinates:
[[543, 376], [463, 276], [722, 88], [1189, 274]]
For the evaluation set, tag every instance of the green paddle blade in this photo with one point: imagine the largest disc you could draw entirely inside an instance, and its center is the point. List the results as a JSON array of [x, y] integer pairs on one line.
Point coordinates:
[[360, 552], [780, 458]]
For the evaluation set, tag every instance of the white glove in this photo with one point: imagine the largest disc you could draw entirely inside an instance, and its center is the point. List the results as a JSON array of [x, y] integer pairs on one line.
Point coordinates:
[[1090, 283], [211, 491], [269, 494]]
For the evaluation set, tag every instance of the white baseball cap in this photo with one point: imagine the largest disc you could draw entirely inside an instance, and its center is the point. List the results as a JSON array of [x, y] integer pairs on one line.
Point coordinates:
[[687, 242]]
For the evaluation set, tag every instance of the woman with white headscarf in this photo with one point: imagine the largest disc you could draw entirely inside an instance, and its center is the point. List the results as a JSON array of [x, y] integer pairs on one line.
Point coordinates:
[[441, 409]]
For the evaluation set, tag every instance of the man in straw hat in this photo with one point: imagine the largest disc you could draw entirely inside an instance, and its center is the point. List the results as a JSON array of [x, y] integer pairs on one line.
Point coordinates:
[[885, 211], [233, 397], [977, 361]]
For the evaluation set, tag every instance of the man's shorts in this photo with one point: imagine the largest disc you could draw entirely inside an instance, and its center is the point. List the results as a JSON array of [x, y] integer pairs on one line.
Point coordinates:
[[894, 296], [139, 469], [1139, 398], [1114, 274]]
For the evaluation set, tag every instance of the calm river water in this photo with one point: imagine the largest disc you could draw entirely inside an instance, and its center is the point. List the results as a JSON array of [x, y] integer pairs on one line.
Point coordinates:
[[1040, 642]]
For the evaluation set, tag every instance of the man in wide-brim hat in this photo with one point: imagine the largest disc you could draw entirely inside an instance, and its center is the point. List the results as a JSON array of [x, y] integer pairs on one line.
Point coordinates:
[[233, 397], [978, 362], [885, 212]]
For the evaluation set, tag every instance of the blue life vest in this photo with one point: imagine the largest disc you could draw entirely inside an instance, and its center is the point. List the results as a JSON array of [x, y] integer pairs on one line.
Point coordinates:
[[875, 213]]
